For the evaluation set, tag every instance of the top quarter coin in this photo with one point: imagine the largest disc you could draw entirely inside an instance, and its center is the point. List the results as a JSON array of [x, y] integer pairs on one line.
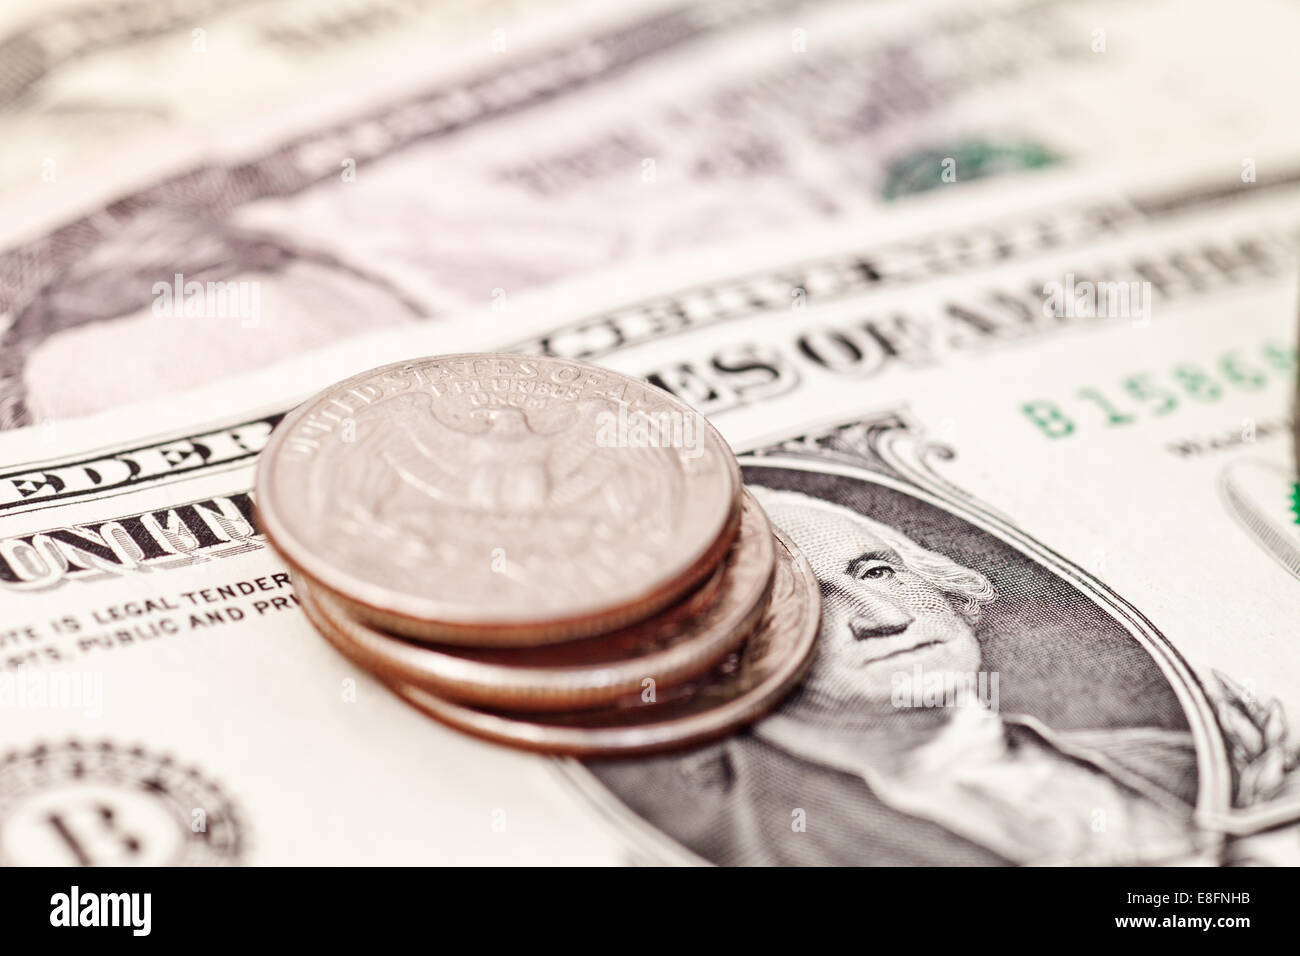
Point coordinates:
[[498, 500]]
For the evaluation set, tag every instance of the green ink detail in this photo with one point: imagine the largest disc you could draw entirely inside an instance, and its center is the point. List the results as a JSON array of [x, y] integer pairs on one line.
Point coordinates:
[[922, 170], [1048, 417], [1295, 501]]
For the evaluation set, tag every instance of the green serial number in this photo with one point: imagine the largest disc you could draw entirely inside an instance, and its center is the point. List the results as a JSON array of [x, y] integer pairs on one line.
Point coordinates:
[[1151, 395]]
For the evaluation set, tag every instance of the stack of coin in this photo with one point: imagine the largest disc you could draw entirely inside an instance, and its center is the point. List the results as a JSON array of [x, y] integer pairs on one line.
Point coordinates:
[[538, 551]]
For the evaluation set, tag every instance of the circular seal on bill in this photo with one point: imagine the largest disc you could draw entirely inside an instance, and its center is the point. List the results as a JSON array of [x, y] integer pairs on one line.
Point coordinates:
[[747, 684], [493, 499], [675, 645], [98, 804]]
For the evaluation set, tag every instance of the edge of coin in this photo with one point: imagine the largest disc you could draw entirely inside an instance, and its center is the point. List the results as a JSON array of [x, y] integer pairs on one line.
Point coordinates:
[[530, 634], [613, 743], [524, 687]]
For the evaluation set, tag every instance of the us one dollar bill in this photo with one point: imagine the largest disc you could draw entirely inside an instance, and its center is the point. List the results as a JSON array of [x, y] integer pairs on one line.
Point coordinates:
[[1049, 422], [503, 148]]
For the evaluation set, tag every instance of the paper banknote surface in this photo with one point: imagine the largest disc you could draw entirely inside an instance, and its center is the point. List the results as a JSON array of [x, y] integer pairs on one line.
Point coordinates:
[[1050, 421], [503, 148]]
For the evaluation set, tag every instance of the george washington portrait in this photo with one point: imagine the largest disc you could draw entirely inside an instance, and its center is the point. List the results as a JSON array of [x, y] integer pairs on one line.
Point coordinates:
[[966, 705]]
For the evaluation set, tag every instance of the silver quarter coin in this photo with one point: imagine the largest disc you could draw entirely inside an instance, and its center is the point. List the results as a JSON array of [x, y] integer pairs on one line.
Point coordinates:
[[492, 499]]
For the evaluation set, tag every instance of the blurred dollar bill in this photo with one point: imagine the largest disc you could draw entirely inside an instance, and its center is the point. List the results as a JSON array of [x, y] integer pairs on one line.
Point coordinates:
[[346, 166], [1050, 421], [82, 79]]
